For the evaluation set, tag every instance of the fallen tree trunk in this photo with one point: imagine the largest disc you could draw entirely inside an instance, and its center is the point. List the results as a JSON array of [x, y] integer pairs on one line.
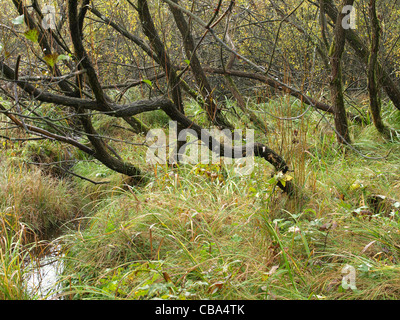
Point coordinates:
[[165, 104], [237, 152]]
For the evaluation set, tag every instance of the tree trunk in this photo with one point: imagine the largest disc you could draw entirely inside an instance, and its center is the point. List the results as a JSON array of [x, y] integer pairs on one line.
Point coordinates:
[[337, 48], [361, 50], [214, 114], [375, 102], [151, 33]]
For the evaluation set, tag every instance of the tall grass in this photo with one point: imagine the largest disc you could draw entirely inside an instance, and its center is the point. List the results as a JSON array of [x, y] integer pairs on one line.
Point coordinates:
[[33, 206], [194, 231], [39, 200], [205, 232], [12, 260]]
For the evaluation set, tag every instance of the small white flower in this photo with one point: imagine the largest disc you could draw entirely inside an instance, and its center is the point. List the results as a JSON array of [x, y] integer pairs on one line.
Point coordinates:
[[294, 229]]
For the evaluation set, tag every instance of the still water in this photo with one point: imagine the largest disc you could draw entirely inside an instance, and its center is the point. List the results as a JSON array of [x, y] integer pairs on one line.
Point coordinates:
[[43, 274]]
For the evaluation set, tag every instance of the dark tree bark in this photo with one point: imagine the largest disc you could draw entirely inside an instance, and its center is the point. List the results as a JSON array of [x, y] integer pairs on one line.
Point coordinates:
[[337, 48], [323, 24], [361, 50], [101, 103], [151, 33], [374, 97], [214, 114], [281, 87], [100, 147], [256, 149]]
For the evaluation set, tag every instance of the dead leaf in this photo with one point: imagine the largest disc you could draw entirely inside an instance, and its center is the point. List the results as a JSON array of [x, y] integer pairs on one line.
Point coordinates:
[[273, 270], [167, 278], [325, 227], [328, 226], [215, 287]]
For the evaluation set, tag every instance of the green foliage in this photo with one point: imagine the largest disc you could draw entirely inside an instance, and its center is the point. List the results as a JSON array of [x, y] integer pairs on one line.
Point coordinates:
[[32, 35], [202, 231], [51, 59], [12, 259], [148, 82], [155, 119], [37, 199]]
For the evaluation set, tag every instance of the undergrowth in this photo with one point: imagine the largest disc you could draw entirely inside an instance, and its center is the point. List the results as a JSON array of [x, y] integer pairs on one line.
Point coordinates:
[[205, 232]]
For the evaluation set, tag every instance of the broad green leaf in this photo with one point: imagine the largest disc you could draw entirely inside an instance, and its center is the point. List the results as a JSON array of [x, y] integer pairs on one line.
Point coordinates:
[[51, 59], [32, 35], [187, 62], [18, 20], [148, 82], [63, 57]]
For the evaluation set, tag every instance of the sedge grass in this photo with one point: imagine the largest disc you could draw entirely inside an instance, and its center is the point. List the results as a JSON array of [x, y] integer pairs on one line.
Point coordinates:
[[204, 232]]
